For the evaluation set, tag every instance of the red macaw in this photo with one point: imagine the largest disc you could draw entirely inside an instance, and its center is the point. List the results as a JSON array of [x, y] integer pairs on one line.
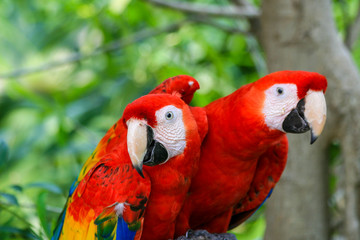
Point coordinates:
[[182, 86], [244, 152], [118, 197]]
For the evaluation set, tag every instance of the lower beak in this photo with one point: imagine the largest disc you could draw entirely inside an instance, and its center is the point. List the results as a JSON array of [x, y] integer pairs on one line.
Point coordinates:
[[142, 147], [309, 114]]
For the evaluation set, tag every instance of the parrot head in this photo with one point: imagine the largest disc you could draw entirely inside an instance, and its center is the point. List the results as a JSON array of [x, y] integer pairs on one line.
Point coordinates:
[[294, 101], [156, 129], [182, 85]]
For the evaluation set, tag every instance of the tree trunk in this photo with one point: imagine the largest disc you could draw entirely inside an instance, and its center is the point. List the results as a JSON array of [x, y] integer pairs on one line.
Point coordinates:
[[301, 35]]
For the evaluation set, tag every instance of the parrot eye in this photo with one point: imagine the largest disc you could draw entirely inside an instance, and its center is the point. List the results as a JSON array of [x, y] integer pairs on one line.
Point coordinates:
[[169, 115], [280, 90]]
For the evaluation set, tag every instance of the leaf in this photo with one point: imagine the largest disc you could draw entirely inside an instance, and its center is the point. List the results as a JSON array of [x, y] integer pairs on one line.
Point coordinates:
[[26, 233], [11, 199], [4, 152], [41, 210], [334, 153], [18, 188], [250, 230], [47, 186]]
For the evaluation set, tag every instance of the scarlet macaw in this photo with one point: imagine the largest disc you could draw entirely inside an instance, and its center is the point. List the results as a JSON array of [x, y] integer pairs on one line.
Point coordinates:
[[182, 86], [112, 199], [244, 152]]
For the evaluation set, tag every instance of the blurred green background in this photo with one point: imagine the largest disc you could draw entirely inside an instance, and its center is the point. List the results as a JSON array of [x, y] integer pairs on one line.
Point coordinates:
[[69, 68]]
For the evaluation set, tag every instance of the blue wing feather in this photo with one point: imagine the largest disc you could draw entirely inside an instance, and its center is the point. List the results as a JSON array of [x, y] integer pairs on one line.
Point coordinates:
[[269, 194], [73, 187], [59, 226], [60, 223], [123, 232]]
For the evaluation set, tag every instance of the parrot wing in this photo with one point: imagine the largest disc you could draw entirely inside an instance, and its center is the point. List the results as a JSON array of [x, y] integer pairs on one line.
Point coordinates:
[[109, 203], [201, 121], [263, 182]]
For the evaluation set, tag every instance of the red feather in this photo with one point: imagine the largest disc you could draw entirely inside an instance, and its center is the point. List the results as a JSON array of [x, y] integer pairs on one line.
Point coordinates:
[[241, 158]]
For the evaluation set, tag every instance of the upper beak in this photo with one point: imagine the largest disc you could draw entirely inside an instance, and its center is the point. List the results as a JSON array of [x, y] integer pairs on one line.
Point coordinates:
[[310, 113], [315, 113], [136, 143], [142, 147]]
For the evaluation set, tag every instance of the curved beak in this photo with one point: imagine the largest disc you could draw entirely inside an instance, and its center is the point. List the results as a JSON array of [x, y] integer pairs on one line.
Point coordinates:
[[142, 147], [137, 143], [315, 113], [309, 114]]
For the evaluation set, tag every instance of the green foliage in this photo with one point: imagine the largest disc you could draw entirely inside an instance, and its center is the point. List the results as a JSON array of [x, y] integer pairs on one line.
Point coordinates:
[[4, 153], [345, 12], [253, 228], [41, 211], [9, 199]]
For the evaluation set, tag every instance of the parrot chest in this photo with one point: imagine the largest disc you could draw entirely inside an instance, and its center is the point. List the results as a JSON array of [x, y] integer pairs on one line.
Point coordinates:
[[220, 190]]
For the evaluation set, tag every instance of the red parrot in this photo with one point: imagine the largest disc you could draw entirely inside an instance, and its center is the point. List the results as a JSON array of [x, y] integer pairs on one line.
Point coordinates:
[[244, 152], [182, 86], [118, 197]]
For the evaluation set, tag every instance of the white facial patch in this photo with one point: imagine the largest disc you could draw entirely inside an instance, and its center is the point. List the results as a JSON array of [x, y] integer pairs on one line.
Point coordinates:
[[170, 130], [280, 99]]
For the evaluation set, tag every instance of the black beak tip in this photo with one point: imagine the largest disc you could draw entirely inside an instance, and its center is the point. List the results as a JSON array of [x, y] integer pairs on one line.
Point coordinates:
[[313, 138], [139, 170]]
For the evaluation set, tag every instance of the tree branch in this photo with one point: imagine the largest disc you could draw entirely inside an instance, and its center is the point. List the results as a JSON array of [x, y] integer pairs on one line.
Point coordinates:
[[208, 21], [247, 11], [353, 31], [77, 57], [242, 3]]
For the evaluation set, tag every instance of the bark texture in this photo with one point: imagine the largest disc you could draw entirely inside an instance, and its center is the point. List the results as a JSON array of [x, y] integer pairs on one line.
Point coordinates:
[[301, 35]]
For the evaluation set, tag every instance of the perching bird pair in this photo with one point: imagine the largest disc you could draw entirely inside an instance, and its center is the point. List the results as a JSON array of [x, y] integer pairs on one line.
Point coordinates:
[[165, 167]]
